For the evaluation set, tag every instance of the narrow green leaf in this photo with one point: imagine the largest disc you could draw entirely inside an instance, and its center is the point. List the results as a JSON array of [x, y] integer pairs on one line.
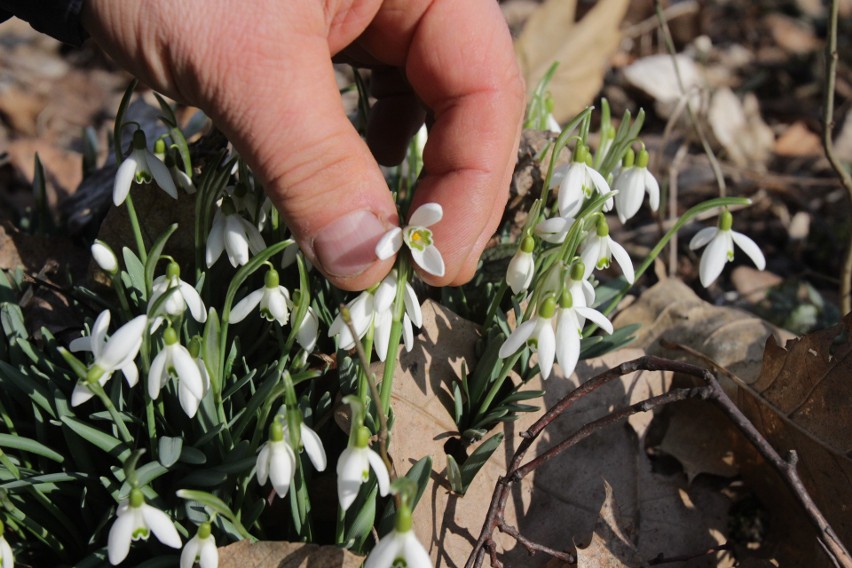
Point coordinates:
[[109, 444], [156, 252], [477, 459], [214, 504], [169, 450], [135, 272], [29, 445], [454, 475]]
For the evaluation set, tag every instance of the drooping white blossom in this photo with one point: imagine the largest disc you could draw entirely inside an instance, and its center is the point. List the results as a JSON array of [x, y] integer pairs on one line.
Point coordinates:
[[720, 243], [114, 354], [599, 249], [201, 549], [353, 469], [141, 166], [633, 182], [232, 234], [135, 519], [176, 302], [519, 274], [273, 299], [174, 360], [537, 333]]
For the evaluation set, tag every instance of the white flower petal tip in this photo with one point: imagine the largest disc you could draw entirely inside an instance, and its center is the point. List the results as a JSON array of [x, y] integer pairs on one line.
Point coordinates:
[[389, 244]]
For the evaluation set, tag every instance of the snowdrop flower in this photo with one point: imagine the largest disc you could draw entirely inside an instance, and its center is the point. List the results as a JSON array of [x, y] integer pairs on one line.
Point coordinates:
[[418, 239], [362, 311], [175, 360], [570, 318], [577, 181], [399, 547], [7, 557], [274, 301], [353, 469], [136, 519], [552, 125], [538, 334], [114, 354], [176, 302], [188, 401], [555, 229], [632, 183], [104, 257], [276, 460], [384, 320], [232, 234], [141, 166], [720, 243], [599, 249], [521, 269], [201, 548]]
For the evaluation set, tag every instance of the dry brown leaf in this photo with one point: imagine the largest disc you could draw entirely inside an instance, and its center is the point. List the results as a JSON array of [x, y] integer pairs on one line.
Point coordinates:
[[271, 554], [699, 435], [739, 128], [798, 140], [568, 488], [809, 394], [583, 49], [612, 542]]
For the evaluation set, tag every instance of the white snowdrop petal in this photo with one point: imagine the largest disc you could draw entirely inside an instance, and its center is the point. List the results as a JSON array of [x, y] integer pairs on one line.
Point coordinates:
[[313, 447], [597, 180], [383, 323], [209, 554], [429, 259], [262, 464], [131, 374], [256, 243], [350, 470], [554, 230], [567, 342], [750, 248], [702, 237], [99, 331], [80, 394], [187, 400], [385, 551], [193, 300], [596, 317], [653, 189], [124, 344], [276, 303], [412, 306], [161, 525], [623, 259], [546, 348], [426, 215], [81, 344], [245, 306], [389, 244], [215, 240], [517, 339], [104, 257], [281, 466], [381, 471], [236, 244], [407, 333], [123, 180], [157, 373], [308, 331], [120, 535], [187, 371], [713, 261], [415, 555], [190, 552], [162, 176]]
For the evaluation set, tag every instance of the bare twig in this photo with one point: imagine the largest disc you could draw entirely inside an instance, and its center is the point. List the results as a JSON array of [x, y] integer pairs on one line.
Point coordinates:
[[827, 127], [710, 390]]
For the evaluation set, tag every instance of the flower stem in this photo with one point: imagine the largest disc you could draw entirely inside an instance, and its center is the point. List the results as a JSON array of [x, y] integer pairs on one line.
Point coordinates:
[[137, 230], [403, 272], [96, 388]]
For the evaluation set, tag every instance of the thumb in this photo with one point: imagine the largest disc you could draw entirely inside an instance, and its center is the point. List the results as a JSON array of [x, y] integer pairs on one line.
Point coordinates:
[[315, 168]]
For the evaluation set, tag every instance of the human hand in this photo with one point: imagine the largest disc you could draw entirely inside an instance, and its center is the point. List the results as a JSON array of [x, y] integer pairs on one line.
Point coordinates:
[[262, 70]]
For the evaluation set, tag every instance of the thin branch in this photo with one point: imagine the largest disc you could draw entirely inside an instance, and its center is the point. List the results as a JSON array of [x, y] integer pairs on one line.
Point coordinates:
[[831, 58]]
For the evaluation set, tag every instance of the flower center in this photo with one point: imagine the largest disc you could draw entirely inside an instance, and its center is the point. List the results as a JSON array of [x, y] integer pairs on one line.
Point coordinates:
[[418, 238], [399, 562]]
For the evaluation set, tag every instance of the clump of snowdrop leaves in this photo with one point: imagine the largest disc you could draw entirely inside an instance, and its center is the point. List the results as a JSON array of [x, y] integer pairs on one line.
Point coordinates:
[[720, 241], [418, 238]]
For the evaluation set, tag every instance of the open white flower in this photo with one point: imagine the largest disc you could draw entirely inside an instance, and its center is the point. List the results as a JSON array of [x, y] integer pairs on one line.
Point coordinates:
[[399, 547], [114, 354], [274, 301], [176, 302], [353, 469], [577, 182], [136, 519], [383, 320], [720, 248], [141, 166], [599, 250], [7, 557], [276, 460], [570, 318], [232, 234], [174, 360], [201, 548], [632, 183], [538, 334], [519, 274], [418, 239]]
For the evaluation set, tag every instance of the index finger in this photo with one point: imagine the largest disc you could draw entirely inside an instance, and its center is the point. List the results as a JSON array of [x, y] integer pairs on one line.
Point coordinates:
[[459, 60]]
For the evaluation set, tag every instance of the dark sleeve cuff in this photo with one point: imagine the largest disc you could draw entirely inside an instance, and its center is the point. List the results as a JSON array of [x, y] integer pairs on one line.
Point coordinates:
[[57, 18]]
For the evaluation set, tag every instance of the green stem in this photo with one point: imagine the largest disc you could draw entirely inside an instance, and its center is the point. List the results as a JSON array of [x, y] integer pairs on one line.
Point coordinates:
[[137, 230], [96, 388], [403, 272], [340, 527], [363, 370]]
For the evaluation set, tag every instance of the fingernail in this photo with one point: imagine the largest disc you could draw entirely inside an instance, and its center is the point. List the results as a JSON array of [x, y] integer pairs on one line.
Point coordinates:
[[347, 246]]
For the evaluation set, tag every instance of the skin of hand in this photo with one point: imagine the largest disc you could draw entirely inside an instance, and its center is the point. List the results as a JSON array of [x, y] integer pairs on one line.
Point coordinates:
[[262, 70]]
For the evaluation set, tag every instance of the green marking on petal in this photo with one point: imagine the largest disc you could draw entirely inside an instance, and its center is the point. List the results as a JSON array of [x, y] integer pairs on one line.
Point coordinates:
[[399, 562], [603, 263], [141, 532], [419, 238]]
